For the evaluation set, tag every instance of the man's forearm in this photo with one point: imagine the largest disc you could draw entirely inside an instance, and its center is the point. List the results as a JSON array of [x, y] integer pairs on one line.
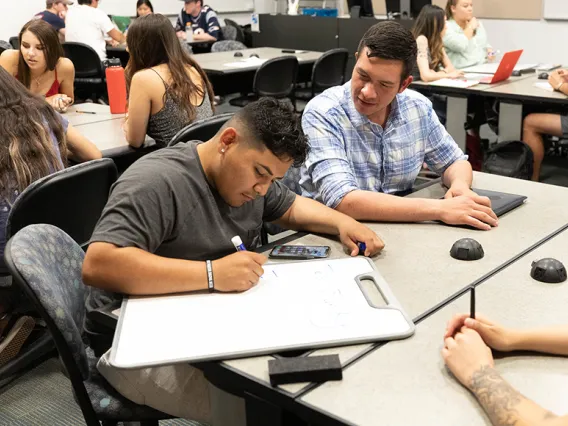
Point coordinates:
[[504, 405], [136, 272], [376, 206], [457, 173], [553, 340], [309, 215]]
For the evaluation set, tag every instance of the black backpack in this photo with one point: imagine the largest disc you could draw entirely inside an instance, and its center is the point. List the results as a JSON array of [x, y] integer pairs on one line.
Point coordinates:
[[512, 159]]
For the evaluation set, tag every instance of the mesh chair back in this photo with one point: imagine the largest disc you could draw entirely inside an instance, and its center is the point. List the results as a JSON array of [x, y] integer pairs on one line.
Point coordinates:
[[86, 61], [15, 42], [46, 263], [240, 32], [227, 46], [201, 130], [229, 33], [71, 199], [276, 77]]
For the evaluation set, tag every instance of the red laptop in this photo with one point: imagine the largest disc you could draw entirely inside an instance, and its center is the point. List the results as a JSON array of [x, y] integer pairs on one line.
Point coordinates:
[[505, 68]]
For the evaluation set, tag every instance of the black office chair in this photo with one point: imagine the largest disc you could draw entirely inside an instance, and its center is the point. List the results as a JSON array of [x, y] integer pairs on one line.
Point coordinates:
[[276, 78], [240, 33], [201, 130], [15, 42], [89, 74], [46, 264], [328, 71], [71, 199], [4, 45]]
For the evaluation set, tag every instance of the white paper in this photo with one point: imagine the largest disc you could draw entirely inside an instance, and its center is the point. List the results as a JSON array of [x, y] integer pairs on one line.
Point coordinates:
[[544, 85], [254, 24], [492, 68]]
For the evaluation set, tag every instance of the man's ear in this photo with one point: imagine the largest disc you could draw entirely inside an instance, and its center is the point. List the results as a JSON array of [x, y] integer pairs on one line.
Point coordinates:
[[405, 84], [227, 139]]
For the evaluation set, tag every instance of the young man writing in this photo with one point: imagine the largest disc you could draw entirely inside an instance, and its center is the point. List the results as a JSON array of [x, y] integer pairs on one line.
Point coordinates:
[[172, 215]]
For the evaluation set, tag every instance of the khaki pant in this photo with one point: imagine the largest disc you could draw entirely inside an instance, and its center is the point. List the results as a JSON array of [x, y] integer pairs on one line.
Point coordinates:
[[179, 390]]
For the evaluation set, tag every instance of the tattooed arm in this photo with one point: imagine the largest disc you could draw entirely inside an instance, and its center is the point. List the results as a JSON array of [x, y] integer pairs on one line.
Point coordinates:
[[471, 362]]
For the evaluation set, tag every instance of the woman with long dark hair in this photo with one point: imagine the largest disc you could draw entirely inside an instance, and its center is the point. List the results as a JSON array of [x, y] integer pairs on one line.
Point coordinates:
[[432, 61], [167, 89], [143, 8], [34, 142], [40, 64]]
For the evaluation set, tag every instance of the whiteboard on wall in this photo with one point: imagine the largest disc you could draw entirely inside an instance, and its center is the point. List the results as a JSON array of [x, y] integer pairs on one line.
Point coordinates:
[[173, 7], [556, 9]]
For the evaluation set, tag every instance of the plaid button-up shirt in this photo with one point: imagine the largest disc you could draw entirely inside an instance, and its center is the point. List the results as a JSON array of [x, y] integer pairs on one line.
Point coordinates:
[[349, 152]]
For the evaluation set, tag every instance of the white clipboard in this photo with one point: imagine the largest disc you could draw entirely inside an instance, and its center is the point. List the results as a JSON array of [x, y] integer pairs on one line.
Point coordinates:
[[299, 305]]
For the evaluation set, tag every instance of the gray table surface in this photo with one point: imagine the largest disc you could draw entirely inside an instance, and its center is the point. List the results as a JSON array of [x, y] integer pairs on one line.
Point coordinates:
[[102, 113], [526, 88], [416, 261], [108, 136], [406, 382], [217, 61]]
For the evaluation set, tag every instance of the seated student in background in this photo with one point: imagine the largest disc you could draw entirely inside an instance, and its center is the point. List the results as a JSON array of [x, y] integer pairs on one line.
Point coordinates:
[[176, 208], [537, 125], [202, 20], [34, 142], [89, 25], [167, 88], [40, 64], [143, 8], [51, 15], [465, 39], [432, 62], [370, 137], [467, 353]]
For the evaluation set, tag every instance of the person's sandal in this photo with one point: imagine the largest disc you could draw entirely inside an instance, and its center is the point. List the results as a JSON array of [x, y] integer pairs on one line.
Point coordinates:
[[10, 346]]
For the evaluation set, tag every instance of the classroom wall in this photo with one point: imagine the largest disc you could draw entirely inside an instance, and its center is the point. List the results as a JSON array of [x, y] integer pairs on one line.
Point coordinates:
[[13, 18], [542, 41]]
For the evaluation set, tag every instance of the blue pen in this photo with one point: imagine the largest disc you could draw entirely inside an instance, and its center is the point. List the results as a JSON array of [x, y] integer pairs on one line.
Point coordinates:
[[238, 243], [362, 248]]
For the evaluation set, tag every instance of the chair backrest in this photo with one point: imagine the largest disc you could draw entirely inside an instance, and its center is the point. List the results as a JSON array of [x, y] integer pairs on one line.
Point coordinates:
[[86, 61], [229, 32], [71, 199], [227, 46], [240, 32], [201, 130], [15, 42], [329, 70], [276, 77], [46, 263], [4, 45]]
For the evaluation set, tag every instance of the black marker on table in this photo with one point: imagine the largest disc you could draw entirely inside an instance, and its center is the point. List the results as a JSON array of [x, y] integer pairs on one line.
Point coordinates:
[[85, 112]]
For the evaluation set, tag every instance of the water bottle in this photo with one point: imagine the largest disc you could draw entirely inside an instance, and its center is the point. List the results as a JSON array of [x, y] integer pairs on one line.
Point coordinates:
[[188, 32], [116, 86]]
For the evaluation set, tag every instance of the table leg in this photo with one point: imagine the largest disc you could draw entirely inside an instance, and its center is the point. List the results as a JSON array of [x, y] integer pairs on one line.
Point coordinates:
[[510, 121], [456, 117], [226, 409]]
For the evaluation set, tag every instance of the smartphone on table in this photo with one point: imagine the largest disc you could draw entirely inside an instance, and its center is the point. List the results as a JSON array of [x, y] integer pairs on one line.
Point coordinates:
[[299, 252]]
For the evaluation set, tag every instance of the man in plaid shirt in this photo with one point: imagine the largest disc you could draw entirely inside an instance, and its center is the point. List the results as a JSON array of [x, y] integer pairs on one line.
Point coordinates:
[[370, 137]]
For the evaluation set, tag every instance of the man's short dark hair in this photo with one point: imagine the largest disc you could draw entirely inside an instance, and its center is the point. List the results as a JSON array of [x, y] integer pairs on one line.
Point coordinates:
[[87, 2], [390, 40], [274, 124]]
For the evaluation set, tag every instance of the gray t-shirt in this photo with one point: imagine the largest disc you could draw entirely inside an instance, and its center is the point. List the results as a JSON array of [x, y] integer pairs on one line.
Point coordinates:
[[164, 204]]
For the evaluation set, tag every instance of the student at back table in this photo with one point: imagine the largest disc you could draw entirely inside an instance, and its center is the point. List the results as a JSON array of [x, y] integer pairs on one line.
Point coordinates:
[[201, 19], [167, 88], [432, 62], [87, 24], [40, 64], [52, 15], [535, 126], [175, 210], [370, 137], [467, 353], [466, 38]]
